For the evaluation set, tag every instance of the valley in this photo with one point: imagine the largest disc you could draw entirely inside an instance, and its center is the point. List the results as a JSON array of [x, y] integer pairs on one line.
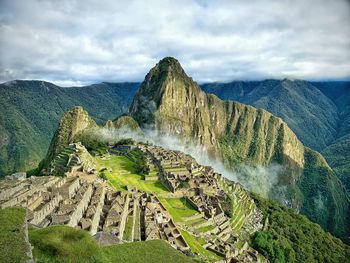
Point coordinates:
[[121, 183]]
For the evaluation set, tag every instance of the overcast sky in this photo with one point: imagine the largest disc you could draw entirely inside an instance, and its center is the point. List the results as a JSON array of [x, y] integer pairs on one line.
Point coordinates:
[[82, 42]]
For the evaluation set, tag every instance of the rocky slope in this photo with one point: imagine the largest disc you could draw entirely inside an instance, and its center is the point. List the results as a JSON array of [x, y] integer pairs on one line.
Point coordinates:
[[307, 111], [123, 122], [72, 123], [30, 111], [318, 112], [171, 102]]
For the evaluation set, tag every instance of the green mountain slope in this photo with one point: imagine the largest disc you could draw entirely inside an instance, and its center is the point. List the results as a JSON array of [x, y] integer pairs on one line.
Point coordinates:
[[169, 101], [286, 237], [66, 244], [290, 237], [318, 112], [306, 110], [30, 111]]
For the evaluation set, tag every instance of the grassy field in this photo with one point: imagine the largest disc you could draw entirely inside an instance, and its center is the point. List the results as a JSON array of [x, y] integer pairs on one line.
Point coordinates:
[[128, 228], [178, 208], [196, 245], [124, 174], [66, 244], [148, 251], [12, 243]]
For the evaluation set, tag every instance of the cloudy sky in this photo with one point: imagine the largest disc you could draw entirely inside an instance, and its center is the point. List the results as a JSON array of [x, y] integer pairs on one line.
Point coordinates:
[[82, 42]]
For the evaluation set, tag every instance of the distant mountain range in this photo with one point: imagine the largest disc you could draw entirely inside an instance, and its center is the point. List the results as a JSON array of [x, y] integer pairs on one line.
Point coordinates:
[[232, 132], [30, 112], [172, 103], [318, 113]]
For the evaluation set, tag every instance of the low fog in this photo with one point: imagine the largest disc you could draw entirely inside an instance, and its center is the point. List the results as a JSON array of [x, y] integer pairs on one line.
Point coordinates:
[[259, 179]]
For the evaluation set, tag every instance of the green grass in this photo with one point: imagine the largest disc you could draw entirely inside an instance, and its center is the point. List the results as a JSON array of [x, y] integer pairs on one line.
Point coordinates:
[[196, 221], [205, 229], [178, 208], [148, 251], [65, 245], [196, 245], [124, 174], [12, 243], [128, 229]]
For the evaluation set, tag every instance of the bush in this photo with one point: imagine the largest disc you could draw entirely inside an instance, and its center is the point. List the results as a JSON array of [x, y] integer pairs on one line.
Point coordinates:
[[127, 141]]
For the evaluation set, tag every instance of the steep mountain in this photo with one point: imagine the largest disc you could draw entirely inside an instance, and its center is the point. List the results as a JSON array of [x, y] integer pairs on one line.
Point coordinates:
[[286, 235], [306, 110], [172, 103], [30, 111], [71, 124], [337, 153], [318, 112]]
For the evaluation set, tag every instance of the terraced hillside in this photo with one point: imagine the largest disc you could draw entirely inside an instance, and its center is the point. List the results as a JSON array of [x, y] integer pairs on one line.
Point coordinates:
[[31, 110], [126, 207], [233, 133]]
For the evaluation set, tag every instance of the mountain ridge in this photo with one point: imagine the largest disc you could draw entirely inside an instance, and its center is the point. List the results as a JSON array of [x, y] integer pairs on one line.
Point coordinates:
[[169, 101], [30, 111]]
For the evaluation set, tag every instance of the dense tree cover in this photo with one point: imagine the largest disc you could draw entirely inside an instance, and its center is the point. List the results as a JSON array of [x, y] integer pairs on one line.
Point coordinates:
[[291, 237]]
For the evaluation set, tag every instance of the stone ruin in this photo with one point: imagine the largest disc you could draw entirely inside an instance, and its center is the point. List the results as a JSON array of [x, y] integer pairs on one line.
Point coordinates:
[[113, 216], [92, 206]]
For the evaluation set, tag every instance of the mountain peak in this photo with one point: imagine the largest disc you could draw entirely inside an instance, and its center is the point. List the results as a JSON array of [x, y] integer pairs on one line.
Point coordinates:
[[166, 78], [72, 122], [166, 66]]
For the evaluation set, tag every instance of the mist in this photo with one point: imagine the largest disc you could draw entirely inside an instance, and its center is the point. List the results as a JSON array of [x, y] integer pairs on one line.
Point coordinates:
[[259, 179]]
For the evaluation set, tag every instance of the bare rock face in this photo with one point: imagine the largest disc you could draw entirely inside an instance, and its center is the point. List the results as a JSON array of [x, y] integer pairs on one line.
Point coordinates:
[[172, 103]]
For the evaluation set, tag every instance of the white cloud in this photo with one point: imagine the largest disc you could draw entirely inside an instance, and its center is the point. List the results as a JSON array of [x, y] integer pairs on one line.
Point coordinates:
[[91, 41]]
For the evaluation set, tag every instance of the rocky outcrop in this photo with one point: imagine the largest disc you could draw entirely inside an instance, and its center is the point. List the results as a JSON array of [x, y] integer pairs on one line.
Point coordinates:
[[72, 123], [172, 103], [123, 122]]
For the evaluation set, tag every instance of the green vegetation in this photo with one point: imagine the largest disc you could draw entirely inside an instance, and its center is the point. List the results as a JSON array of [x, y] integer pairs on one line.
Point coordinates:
[[72, 123], [127, 141], [139, 160], [205, 229], [126, 122], [241, 134], [64, 244], [196, 245], [93, 144], [156, 251], [31, 110], [67, 245], [291, 237], [179, 208], [320, 193], [13, 246], [309, 113], [318, 113], [128, 229], [337, 155], [124, 173]]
